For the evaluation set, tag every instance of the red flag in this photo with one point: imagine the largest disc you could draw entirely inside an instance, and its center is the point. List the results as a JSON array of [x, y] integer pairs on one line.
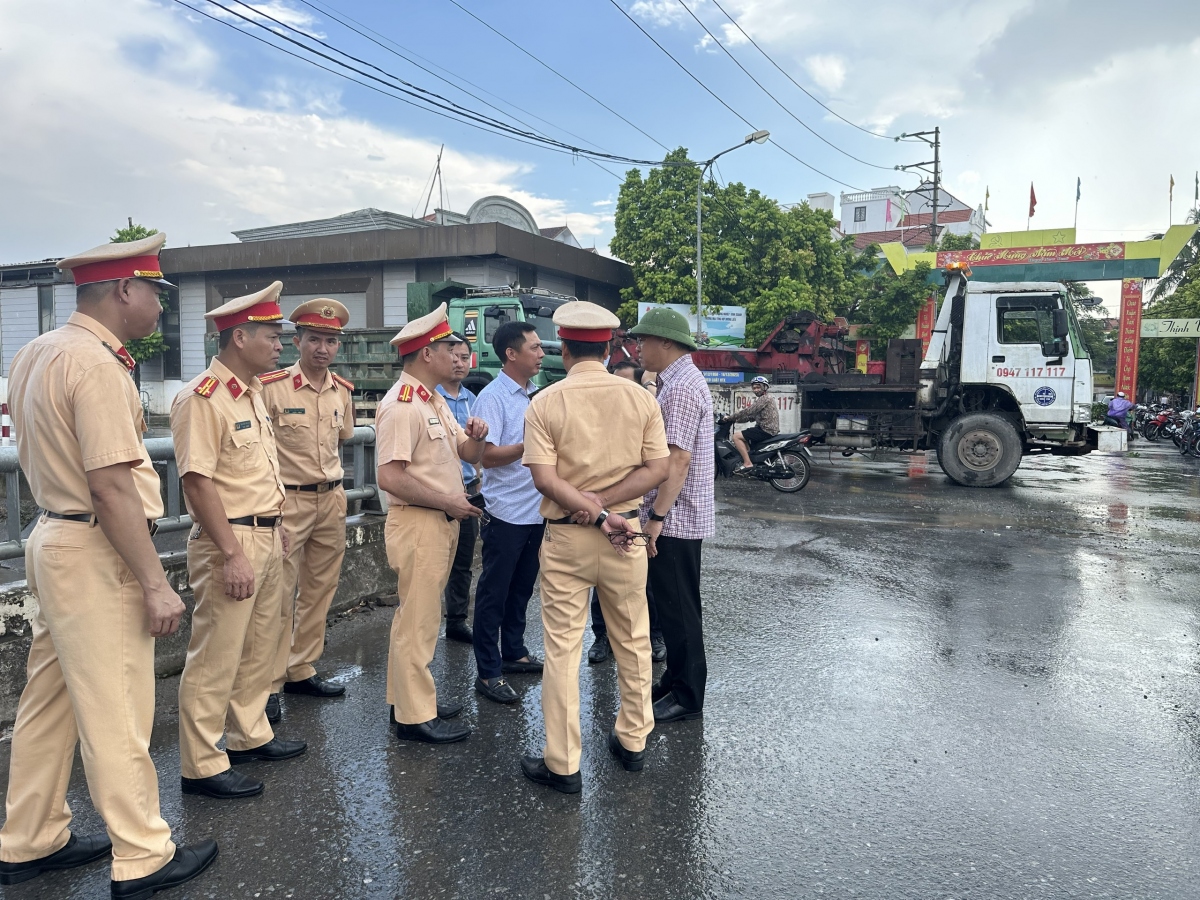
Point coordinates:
[[1032, 200]]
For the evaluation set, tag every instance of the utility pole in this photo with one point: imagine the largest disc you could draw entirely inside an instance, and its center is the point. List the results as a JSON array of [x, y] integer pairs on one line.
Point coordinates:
[[933, 168]]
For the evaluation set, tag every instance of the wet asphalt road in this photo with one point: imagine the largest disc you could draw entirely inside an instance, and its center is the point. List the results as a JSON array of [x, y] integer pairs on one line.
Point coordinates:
[[916, 691]]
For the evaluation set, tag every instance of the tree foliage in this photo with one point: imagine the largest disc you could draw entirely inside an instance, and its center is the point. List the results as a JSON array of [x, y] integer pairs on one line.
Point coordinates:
[[141, 349], [1101, 343], [952, 241], [1168, 365], [1183, 268], [757, 254], [890, 303]]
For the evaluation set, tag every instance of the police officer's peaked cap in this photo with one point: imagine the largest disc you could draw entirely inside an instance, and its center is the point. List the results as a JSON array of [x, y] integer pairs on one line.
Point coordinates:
[[109, 262], [322, 314], [261, 306], [664, 322], [580, 320], [424, 331]]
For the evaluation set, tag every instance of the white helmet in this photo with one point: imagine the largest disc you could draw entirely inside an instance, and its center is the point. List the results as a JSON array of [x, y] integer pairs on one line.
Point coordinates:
[[760, 379], [1120, 393]]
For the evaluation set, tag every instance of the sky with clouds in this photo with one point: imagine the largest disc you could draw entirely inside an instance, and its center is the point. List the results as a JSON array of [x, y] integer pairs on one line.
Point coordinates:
[[145, 108]]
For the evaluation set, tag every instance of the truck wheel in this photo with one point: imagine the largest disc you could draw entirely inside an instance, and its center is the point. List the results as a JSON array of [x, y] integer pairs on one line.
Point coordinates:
[[476, 383], [980, 450]]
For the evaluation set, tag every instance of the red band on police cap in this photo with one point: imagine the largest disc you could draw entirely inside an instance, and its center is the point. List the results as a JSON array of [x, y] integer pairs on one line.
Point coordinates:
[[316, 320], [112, 269], [591, 335], [412, 345], [267, 311]]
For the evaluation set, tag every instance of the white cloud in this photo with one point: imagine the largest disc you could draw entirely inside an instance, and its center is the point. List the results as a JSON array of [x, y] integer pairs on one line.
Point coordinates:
[[269, 14], [119, 116], [827, 70]]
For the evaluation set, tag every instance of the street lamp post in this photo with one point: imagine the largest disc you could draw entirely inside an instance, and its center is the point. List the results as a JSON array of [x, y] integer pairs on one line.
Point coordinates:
[[758, 137]]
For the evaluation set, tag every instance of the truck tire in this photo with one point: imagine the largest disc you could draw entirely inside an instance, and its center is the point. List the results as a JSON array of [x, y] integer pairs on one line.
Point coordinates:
[[980, 450], [476, 383]]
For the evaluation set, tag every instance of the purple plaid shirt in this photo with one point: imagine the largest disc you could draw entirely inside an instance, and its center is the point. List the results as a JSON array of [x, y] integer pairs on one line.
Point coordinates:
[[687, 411]]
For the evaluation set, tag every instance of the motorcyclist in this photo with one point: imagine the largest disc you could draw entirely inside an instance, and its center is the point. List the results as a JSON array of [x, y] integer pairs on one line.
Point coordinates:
[[1118, 410], [765, 415]]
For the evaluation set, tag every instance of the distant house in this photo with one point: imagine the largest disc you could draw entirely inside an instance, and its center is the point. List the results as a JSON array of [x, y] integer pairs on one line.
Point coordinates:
[[365, 259], [890, 215]]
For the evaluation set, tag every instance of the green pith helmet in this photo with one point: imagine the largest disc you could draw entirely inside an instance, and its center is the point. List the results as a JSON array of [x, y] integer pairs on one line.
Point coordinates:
[[663, 322]]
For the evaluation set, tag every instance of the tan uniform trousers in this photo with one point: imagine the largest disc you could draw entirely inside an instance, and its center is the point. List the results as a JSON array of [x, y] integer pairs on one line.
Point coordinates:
[[316, 525], [420, 548], [574, 558], [227, 676], [91, 680]]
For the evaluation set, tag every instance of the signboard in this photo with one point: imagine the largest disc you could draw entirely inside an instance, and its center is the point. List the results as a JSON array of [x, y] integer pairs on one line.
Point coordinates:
[[1129, 336], [712, 376], [1164, 328], [862, 355], [471, 325], [726, 327], [1012, 256], [925, 322]]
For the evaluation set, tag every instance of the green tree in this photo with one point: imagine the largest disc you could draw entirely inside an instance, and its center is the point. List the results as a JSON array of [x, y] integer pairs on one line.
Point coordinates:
[[1101, 344], [889, 303], [141, 349], [1185, 267], [1168, 365], [758, 255], [957, 242]]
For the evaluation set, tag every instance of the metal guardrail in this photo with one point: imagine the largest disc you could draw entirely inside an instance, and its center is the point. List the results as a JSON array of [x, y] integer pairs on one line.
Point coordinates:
[[162, 450]]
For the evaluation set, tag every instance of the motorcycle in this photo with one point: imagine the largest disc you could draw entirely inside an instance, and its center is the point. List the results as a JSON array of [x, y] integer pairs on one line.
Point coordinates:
[[783, 460]]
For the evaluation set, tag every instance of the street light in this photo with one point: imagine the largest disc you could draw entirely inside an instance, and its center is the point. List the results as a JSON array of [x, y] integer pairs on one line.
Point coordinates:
[[757, 137]]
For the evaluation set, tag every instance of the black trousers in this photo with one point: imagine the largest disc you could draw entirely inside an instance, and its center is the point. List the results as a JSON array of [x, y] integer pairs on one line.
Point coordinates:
[[458, 585], [599, 629], [510, 568], [675, 577]]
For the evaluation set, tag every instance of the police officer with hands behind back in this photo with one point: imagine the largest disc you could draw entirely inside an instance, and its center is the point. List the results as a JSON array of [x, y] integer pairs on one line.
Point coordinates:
[[225, 448], [420, 450], [102, 596]]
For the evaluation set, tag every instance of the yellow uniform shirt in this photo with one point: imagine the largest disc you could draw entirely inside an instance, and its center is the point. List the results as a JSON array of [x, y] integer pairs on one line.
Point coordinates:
[[595, 428], [222, 432], [310, 420], [75, 409], [414, 425]]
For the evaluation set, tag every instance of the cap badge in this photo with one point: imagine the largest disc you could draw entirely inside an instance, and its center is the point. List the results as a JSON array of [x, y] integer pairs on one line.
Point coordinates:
[[326, 312]]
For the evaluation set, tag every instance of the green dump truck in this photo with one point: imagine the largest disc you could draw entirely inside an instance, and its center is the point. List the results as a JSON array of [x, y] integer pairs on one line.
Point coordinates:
[[367, 358]]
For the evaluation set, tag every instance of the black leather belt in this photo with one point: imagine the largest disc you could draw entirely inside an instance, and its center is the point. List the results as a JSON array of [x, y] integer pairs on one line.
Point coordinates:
[[320, 487], [632, 514], [257, 521], [90, 518]]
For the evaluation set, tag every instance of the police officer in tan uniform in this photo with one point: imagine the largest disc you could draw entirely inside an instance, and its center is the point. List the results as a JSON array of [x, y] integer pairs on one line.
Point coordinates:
[[420, 446], [592, 470], [225, 448], [313, 412], [102, 596]]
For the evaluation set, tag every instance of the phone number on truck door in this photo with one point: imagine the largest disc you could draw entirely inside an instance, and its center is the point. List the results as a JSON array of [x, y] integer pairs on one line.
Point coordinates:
[[1031, 372]]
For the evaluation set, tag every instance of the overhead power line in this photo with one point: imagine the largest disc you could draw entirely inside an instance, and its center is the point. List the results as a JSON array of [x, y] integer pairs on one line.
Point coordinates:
[[713, 94], [424, 98], [785, 74], [557, 73], [775, 99]]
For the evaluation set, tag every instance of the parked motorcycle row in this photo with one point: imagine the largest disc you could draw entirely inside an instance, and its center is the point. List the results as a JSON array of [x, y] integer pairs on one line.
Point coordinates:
[[1158, 423]]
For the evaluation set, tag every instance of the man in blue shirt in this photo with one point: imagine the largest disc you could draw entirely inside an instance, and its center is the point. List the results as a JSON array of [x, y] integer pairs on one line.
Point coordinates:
[[458, 587], [512, 525]]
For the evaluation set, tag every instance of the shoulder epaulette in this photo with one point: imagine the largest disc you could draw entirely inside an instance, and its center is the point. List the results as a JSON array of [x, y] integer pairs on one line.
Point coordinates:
[[406, 393], [206, 387], [277, 375], [344, 382]]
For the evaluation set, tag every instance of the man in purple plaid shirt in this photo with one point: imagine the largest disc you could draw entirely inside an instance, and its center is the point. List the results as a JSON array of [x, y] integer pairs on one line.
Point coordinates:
[[679, 514]]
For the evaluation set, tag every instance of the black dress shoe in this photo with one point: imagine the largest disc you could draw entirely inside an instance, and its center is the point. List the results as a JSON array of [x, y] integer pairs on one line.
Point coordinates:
[[312, 686], [496, 689], [449, 711], [632, 762], [658, 649], [227, 785], [668, 710], [528, 666], [273, 750], [274, 713], [187, 864], [535, 769], [458, 630], [599, 651], [435, 731], [77, 851]]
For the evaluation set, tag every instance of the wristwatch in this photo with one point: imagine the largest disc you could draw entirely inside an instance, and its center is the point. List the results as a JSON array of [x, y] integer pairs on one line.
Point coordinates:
[[655, 517], [604, 514]]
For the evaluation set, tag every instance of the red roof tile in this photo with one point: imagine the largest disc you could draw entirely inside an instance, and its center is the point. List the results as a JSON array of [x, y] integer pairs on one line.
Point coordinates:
[[916, 220]]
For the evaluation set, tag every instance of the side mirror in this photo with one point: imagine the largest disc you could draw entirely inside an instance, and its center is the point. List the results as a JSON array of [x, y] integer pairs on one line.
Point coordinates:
[[1061, 329], [491, 312], [546, 312]]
